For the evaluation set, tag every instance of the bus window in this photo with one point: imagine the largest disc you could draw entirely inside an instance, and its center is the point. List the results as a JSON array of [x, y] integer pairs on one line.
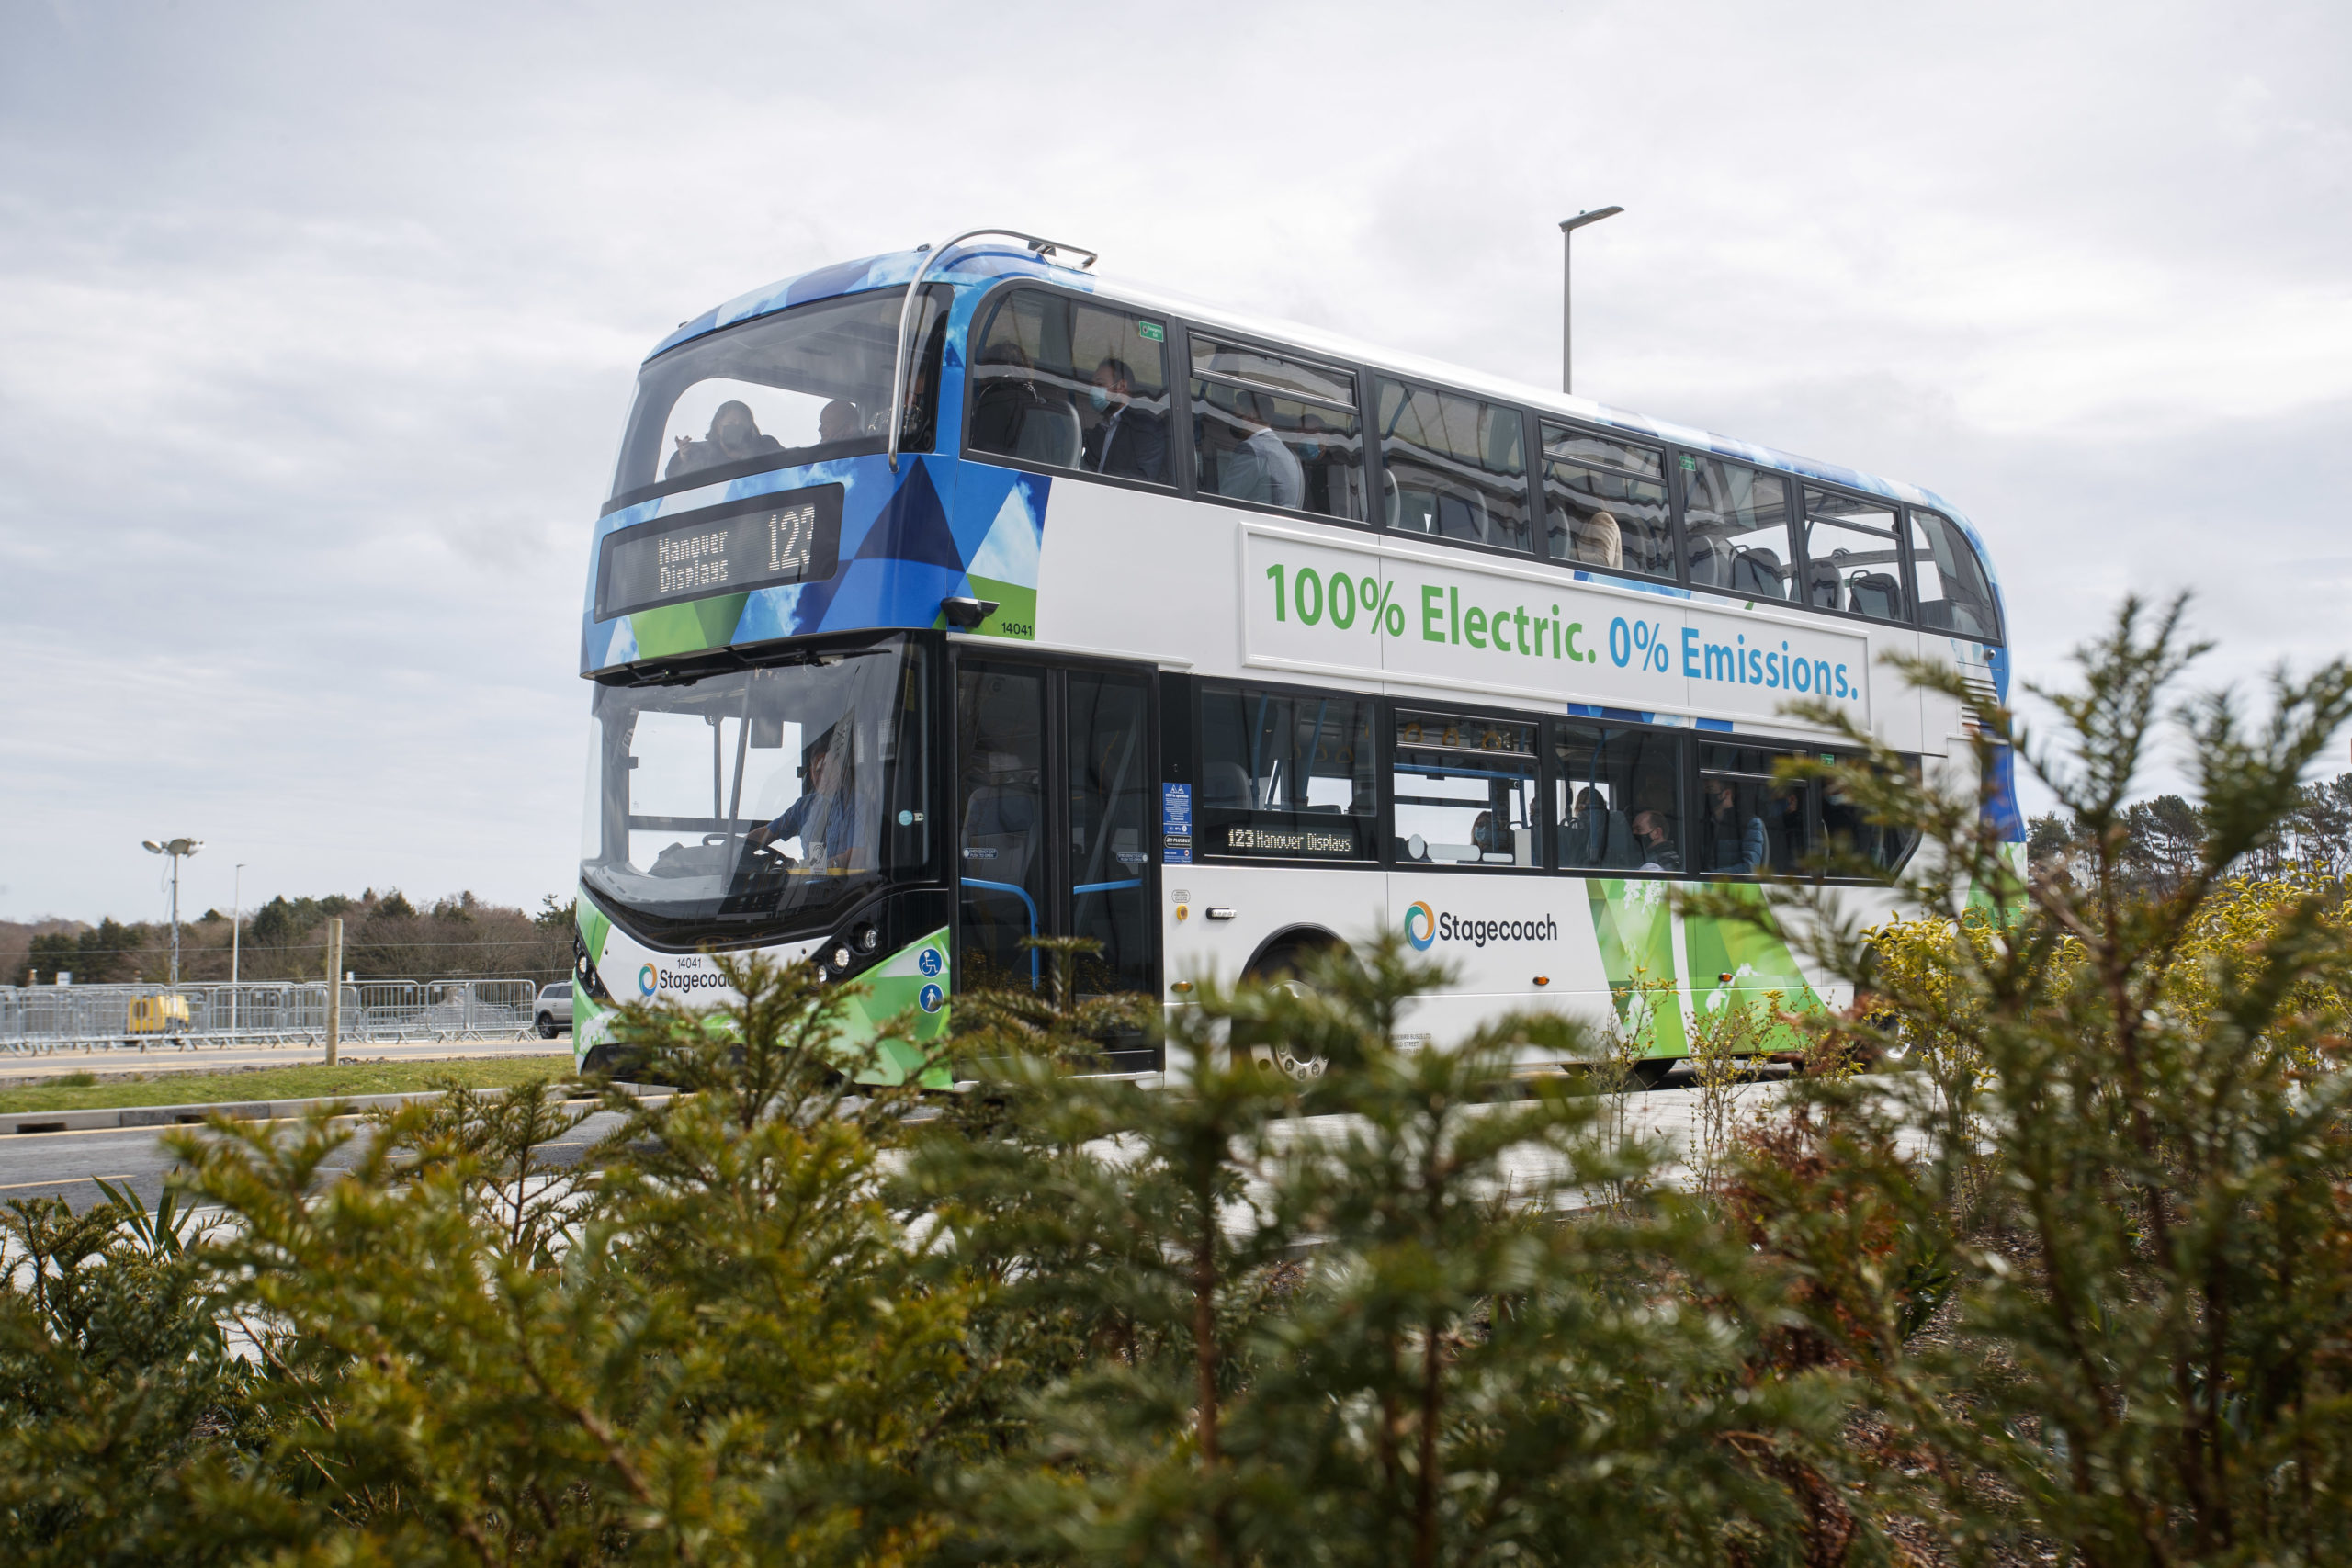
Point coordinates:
[[800, 386], [1846, 831], [1954, 594], [1276, 431], [1617, 798], [1748, 822], [1604, 503], [1452, 467], [1465, 790], [1072, 386], [1735, 527], [1853, 561], [1285, 774]]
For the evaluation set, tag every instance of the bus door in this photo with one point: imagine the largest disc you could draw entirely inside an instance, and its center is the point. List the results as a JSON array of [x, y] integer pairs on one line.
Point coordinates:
[[1053, 786]]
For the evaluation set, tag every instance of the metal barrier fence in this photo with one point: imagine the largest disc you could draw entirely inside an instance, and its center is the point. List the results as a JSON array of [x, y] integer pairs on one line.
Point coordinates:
[[40, 1019]]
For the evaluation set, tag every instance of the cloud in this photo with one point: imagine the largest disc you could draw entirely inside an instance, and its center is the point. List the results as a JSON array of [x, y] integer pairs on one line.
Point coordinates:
[[317, 325]]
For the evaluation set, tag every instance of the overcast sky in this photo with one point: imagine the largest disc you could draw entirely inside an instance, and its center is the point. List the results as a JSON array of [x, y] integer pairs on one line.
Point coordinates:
[[317, 322]]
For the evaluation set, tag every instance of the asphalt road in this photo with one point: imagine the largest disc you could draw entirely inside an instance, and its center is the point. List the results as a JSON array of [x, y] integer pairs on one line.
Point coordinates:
[[212, 1059], [62, 1164]]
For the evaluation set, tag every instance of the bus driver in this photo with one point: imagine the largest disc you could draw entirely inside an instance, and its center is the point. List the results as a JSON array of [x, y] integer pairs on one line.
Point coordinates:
[[825, 817]]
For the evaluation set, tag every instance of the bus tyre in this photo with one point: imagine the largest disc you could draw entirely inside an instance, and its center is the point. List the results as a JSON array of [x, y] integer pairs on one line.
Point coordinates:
[[1279, 969], [1651, 1072]]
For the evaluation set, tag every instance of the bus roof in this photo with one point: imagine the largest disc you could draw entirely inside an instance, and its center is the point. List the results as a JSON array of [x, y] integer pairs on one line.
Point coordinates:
[[985, 262]]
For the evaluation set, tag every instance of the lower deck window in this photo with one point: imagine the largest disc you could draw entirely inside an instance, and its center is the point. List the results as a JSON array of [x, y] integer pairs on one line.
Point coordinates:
[[1465, 791], [1286, 775], [1617, 796], [1750, 822]]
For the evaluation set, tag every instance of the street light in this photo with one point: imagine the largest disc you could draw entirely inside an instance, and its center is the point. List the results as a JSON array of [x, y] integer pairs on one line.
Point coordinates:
[[236, 931], [179, 849], [1569, 227]]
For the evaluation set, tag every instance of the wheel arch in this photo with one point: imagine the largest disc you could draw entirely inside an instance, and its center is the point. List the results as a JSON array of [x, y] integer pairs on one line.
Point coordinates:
[[1301, 938]]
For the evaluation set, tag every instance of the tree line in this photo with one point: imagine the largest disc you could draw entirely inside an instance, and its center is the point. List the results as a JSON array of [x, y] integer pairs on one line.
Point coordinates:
[[2048, 1258], [386, 937]]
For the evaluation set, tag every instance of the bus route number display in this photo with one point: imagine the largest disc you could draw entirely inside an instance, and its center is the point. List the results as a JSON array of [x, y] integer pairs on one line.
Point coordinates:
[[768, 541]]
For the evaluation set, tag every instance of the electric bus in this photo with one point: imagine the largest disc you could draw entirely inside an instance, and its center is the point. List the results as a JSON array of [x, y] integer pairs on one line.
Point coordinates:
[[966, 594]]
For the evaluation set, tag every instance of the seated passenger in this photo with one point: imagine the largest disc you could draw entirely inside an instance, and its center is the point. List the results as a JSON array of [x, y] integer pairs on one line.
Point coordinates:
[[1262, 468], [1600, 542], [839, 421], [734, 436], [1128, 442], [1585, 834], [1656, 842], [1739, 849]]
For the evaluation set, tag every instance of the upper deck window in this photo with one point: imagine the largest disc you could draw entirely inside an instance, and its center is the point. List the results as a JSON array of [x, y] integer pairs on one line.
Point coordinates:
[[1955, 595], [1069, 385], [1275, 430], [1456, 467], [1852, 560], [1736, 525], [1604, 503], [801, 386]]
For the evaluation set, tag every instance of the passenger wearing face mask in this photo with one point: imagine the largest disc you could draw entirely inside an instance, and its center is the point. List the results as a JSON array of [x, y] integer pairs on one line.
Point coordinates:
[[1128, 442]]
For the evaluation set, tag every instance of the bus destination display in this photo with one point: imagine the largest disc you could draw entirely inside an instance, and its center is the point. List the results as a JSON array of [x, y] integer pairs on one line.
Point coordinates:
[[765, 542]]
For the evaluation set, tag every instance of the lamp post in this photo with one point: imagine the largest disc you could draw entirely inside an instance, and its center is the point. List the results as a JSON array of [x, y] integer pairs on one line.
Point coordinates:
[[179, 849], [1569, 227], [236, 936]]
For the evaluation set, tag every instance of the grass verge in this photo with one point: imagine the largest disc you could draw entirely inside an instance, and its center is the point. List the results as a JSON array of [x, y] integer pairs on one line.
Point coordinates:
[[285, 1083]]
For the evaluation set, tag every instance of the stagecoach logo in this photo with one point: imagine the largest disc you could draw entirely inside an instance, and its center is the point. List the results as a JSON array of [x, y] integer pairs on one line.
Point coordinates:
[[1424, 928], [646, 979]]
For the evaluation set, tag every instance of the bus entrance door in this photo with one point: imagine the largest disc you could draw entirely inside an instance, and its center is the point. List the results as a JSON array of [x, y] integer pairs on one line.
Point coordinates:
[[1052, 784]]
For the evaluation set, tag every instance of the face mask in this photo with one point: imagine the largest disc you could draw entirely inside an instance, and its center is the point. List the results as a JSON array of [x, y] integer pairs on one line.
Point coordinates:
[[1100, 397]]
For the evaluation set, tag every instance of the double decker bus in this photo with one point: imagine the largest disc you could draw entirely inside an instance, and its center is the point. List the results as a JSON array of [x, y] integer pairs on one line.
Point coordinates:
[[962, 596]]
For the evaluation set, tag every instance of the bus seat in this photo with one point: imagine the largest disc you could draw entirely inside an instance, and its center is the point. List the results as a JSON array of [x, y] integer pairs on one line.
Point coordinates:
[[1000, 820], [1050, 435], [1622, 853], [1875, 594], [1710, 565], [1821, 584], [1225, 786], [1757, 573]]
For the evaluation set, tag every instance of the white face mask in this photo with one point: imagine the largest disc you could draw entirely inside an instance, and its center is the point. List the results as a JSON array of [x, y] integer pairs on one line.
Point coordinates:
[[1100, 397]]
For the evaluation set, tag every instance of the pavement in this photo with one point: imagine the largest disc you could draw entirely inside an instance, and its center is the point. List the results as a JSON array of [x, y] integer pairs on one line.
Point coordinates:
[[218, 1058]]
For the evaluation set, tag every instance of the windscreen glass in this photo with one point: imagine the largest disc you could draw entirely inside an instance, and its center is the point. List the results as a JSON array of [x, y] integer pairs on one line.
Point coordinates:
[[801, 386], [758, 802]]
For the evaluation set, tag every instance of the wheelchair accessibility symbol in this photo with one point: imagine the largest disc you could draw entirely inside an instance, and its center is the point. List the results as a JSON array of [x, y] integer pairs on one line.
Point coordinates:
[[930, 963]]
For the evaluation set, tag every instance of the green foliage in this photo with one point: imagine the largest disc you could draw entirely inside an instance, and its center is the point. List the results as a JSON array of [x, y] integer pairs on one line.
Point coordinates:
[[2065, 1275], [2137, 1189]]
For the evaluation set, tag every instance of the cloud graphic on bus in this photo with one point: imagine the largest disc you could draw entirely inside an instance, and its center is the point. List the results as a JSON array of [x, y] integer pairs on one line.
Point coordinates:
[[1428, 933]]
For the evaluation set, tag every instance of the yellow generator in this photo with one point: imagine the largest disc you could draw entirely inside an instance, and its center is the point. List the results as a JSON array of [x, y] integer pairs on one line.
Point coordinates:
[[164, 1015]]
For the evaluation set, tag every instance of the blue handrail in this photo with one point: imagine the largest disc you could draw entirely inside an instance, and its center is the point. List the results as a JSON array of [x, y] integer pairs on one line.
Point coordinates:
[[1108, 887], [1022, 893]]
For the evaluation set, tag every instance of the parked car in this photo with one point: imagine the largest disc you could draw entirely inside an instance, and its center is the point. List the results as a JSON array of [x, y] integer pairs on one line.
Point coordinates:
[[555, 1009]]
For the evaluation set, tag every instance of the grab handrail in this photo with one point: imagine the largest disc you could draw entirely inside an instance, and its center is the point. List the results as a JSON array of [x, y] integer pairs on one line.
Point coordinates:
[[906, 311]]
